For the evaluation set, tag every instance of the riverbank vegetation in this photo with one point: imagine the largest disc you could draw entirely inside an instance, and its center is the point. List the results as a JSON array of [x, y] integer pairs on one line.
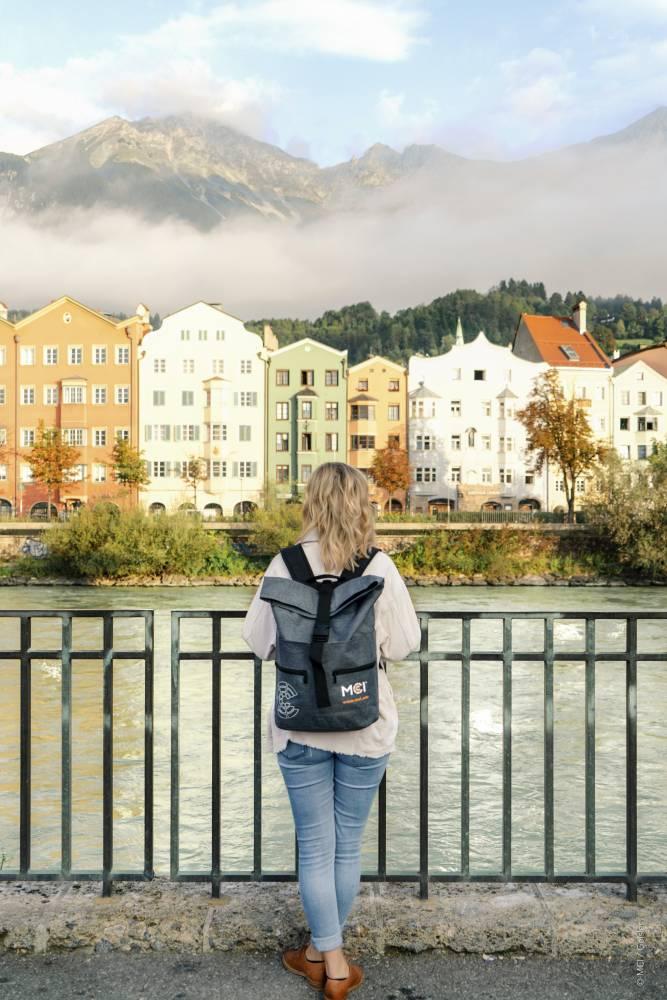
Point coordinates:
[[626, 538], [502, 555], [105, 543], [628, 514]]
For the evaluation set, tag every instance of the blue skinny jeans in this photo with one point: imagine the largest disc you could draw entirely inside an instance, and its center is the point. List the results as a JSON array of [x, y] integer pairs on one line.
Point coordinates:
[[331, 795]]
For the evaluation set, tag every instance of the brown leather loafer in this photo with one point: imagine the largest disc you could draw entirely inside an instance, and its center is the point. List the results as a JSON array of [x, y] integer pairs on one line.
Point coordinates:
[[314, 972], [338, 989]]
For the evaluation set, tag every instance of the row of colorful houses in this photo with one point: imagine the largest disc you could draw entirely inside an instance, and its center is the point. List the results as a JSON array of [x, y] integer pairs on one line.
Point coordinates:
[[257, 415]]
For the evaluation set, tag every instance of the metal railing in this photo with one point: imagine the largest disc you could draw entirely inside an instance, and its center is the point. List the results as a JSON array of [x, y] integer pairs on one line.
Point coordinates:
[[464, 654], [65, 653]]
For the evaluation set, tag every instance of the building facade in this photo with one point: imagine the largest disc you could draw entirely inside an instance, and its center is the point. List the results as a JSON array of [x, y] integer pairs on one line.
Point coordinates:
[[77, 370], [203, 398], [640, 401], [377, 417], [585, 372], [305, 420], [467, 448]]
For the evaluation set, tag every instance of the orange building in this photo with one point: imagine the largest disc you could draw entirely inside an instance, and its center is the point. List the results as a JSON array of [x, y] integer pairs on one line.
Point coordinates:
[[376, 416], [76, 370]]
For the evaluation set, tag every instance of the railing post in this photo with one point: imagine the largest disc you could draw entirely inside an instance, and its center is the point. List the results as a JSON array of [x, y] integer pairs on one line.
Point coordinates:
[[465, 746], [423, 759], [549, 747], [26, 725], [590, 746], [174, 846], [215, 759], [507, 747], [631, 758], [66, 747], [107, 756], [149, 675], [257, 770]]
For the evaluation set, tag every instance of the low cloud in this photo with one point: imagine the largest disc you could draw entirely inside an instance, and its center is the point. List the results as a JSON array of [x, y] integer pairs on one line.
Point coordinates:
[[596, 224]]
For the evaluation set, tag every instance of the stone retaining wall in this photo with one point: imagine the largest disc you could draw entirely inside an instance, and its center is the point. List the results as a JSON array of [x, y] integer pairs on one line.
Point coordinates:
[[566, 921]]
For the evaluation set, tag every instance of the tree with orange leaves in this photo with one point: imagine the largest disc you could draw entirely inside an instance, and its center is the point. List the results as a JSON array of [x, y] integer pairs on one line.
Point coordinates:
[[558, 432]]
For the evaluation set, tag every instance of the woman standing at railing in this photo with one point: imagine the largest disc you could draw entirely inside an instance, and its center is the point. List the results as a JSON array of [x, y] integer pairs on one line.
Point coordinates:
[[332, 776]]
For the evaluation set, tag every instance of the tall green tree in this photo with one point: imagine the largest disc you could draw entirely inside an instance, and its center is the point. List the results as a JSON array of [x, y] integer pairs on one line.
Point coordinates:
[[129, 467]]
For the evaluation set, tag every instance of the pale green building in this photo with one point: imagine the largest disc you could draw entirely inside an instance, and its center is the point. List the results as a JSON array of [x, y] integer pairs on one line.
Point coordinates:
[[306, 396]]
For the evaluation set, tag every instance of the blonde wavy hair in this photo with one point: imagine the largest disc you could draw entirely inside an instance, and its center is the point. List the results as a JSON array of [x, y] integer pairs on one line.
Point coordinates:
[[336, 504]]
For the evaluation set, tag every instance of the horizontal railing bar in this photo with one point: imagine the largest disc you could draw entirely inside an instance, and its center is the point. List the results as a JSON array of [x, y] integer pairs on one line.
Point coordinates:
[[453, 615], [477, 615], [83, 613], [434, 656], [248, 876], [75, 654], [193, 654], [437, 656], [83, 876]]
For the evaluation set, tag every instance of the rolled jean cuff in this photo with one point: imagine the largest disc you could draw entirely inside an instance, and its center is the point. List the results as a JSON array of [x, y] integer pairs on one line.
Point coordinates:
[[327, 943]]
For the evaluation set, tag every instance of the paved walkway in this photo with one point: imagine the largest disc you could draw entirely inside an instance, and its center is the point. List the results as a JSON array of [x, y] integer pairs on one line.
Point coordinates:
[[252, 976]]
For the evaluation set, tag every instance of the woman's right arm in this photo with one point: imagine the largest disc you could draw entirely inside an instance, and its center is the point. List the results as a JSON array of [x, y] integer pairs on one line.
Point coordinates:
[[259, 627]]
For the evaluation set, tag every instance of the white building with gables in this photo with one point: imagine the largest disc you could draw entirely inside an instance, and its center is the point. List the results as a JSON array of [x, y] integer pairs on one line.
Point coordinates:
[[466, 446], [640, 401], [202, 396]]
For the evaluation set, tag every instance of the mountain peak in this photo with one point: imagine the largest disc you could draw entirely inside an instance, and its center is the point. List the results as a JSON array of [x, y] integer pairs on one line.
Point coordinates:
[[651, 129]]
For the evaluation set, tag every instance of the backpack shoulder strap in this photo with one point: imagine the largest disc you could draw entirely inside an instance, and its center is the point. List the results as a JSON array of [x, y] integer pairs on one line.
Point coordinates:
[[360, 568], [295, 559]]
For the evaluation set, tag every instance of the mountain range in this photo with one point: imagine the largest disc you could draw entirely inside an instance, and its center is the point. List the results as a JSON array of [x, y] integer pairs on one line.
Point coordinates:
[[206, 174]]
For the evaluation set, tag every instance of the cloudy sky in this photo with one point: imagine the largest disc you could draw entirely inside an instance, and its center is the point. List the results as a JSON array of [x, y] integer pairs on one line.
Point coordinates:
[[327, 78]]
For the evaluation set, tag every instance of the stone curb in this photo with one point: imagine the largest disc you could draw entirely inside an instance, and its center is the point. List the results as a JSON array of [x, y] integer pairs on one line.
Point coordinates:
[[568, 921]]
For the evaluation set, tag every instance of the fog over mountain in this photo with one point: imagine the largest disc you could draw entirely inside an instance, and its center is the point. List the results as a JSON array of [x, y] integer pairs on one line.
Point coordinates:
[[180, 208]]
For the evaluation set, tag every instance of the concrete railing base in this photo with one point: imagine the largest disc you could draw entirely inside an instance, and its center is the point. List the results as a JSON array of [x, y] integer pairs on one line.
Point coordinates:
[[557, 921]]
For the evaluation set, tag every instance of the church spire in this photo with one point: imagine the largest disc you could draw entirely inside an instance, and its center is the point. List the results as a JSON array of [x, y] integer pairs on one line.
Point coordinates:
[[459, 334]]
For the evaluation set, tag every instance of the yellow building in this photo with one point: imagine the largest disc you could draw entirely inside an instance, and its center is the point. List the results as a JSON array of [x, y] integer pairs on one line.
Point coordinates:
[[376, 418], [75, 369]]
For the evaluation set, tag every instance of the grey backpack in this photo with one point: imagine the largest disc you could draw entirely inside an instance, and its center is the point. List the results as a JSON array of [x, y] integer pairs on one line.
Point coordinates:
[[326, 654]]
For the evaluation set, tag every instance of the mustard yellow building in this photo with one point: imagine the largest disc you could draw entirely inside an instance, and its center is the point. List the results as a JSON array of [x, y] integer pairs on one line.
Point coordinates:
[[75, 369], [376, 417]]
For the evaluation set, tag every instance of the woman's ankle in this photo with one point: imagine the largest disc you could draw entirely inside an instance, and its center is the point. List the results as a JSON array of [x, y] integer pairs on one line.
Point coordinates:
[[336, 964], [313, 953]]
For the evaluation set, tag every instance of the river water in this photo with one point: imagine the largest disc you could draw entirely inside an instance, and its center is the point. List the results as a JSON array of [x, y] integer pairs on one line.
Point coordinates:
[[402, 780]]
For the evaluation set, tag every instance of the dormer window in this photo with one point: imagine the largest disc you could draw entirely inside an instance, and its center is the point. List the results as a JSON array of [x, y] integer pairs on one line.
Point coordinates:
[[569, 352]]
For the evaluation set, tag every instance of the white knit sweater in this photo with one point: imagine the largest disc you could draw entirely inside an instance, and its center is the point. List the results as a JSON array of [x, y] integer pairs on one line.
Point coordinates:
[[397, 631]]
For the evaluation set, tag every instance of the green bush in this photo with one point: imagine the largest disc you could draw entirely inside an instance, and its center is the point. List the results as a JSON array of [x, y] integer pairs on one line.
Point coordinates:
[[274, 526], [628, 513], [502, 553], [104, 542]]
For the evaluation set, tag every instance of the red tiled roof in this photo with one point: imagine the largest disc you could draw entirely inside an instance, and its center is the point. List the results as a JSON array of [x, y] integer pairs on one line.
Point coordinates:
[[551, 333]]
